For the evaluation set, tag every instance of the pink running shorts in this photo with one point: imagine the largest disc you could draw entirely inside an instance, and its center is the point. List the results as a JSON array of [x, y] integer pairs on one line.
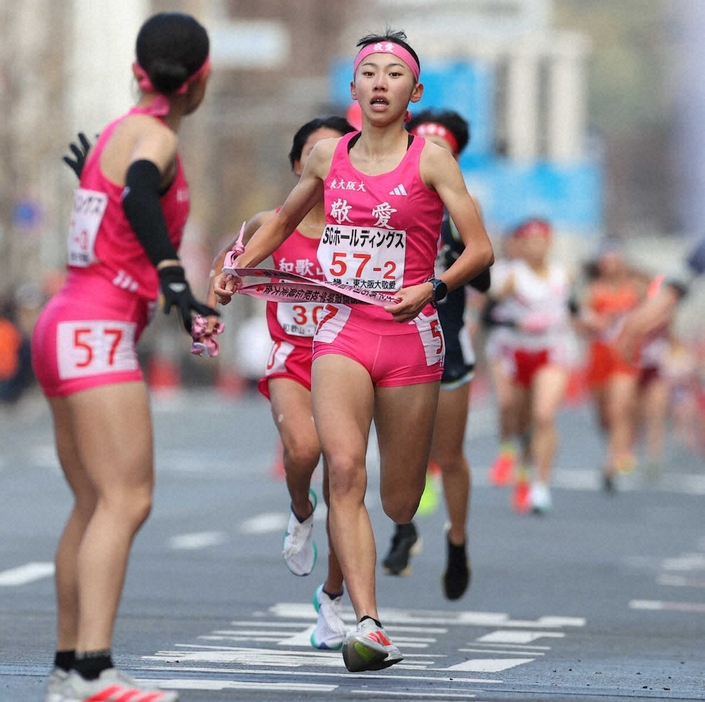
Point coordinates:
[[287, 360], [393, 354], [86, 337]]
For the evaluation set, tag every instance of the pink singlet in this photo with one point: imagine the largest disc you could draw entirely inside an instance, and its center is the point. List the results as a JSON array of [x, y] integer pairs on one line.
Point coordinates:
[[382, 233], [86, 335], [292, 325]]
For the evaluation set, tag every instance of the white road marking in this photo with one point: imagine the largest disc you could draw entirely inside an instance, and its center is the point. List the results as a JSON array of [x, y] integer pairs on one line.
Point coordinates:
[[28, 573], [493, 647], [186, 684], [519, 637], [196, 540], [499, 652], [679, 581], [318, 674], [265, 523], [656, 605], [489, 665], [282, 647], [425, 695], [251, 656], [292, 610], [685, 562]]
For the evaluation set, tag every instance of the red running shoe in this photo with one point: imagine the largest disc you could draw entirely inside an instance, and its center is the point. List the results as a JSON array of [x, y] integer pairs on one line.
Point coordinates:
[[502, 469], [521, 501]]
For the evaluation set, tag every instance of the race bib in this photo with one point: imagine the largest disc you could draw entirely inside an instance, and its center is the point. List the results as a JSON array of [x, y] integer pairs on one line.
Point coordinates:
[[334, 318], [87, 348], [431, 334], [88, 209], [365, 257], [299, 319]]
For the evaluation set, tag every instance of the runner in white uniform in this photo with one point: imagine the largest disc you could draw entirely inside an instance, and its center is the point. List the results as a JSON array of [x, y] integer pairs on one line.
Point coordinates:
[[537, 294]]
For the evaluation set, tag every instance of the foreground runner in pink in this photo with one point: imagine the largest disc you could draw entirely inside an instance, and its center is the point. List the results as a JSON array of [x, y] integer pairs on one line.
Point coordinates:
[[383, 192], [127, 223]]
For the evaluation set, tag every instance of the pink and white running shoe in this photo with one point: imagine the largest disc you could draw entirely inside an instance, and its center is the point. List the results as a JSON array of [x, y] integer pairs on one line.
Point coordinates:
[[369, 648], [111, 686]]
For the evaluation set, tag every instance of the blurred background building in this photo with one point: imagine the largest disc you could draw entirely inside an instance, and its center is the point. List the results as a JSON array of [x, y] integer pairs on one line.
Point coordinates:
[[588, 112]]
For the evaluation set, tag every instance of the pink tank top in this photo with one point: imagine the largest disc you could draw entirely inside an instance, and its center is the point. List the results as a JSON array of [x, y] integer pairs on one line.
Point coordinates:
[[101, 240], [382, 230], [296, 322]]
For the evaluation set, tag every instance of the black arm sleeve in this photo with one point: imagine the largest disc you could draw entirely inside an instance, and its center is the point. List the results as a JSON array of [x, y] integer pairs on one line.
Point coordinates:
[[482, 281], [140, 201]]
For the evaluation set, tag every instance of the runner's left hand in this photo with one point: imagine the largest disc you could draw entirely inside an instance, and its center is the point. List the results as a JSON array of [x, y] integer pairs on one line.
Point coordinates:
[[80, 149]]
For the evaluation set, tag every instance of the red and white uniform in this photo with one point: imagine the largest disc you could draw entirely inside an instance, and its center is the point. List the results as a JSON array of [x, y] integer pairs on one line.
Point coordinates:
[[86, 335], [293, 324], [382, 234], [539, 306]]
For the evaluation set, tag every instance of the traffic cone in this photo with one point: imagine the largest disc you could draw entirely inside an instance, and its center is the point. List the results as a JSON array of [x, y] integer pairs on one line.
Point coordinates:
[[277, 470], [163, 374], [229, 383]]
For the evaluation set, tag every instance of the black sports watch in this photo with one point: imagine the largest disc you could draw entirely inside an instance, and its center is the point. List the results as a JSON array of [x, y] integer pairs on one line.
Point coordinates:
[[440, 290]]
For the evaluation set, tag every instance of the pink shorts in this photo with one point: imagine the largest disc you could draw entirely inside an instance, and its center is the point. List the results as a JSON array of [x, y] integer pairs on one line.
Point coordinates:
[[86, 337], [287, 360], [393, 354]]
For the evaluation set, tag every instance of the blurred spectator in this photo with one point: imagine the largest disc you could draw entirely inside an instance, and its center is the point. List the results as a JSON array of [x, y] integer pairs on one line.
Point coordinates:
[[17, 318]]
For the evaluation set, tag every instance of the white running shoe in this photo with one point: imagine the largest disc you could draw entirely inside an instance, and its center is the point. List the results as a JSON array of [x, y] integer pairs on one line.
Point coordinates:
[[330, 630], [369, 648], [540, 498], [111, 686], [54, 682], [299, 550]]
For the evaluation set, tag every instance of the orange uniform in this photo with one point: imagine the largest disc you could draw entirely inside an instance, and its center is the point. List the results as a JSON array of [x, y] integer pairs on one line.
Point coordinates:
[[612, 303]]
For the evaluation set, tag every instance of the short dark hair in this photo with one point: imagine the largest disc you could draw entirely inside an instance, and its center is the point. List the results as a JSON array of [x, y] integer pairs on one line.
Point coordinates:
[[338, 124], [394, 35], [457, 125], [171, 47]]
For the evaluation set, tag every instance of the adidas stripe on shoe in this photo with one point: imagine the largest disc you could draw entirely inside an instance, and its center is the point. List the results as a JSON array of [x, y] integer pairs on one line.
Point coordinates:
[[369, 648], [111, 685]]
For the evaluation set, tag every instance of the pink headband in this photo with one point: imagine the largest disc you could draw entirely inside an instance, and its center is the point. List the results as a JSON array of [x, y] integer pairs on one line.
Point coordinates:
[[161, 105], [388, 47], [533, 226], [435, 129]]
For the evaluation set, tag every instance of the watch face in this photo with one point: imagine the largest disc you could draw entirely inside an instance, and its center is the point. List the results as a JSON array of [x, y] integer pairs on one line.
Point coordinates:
[[440, 290]]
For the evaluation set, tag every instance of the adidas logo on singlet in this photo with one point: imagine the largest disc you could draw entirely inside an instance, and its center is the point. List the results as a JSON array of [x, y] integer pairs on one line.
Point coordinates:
[[399, 190]]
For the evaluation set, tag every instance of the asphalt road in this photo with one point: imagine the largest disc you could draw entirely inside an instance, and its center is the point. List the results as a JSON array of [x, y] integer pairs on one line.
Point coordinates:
[[603, 599]]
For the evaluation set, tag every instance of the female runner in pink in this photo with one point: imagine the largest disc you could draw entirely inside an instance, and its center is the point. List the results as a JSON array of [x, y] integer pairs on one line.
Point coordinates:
[[128, 216], [287, 385], [384, 191]]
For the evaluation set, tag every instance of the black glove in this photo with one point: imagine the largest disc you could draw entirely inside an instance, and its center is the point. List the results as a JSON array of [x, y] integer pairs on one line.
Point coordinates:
[[177, 293], [80, 152]]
